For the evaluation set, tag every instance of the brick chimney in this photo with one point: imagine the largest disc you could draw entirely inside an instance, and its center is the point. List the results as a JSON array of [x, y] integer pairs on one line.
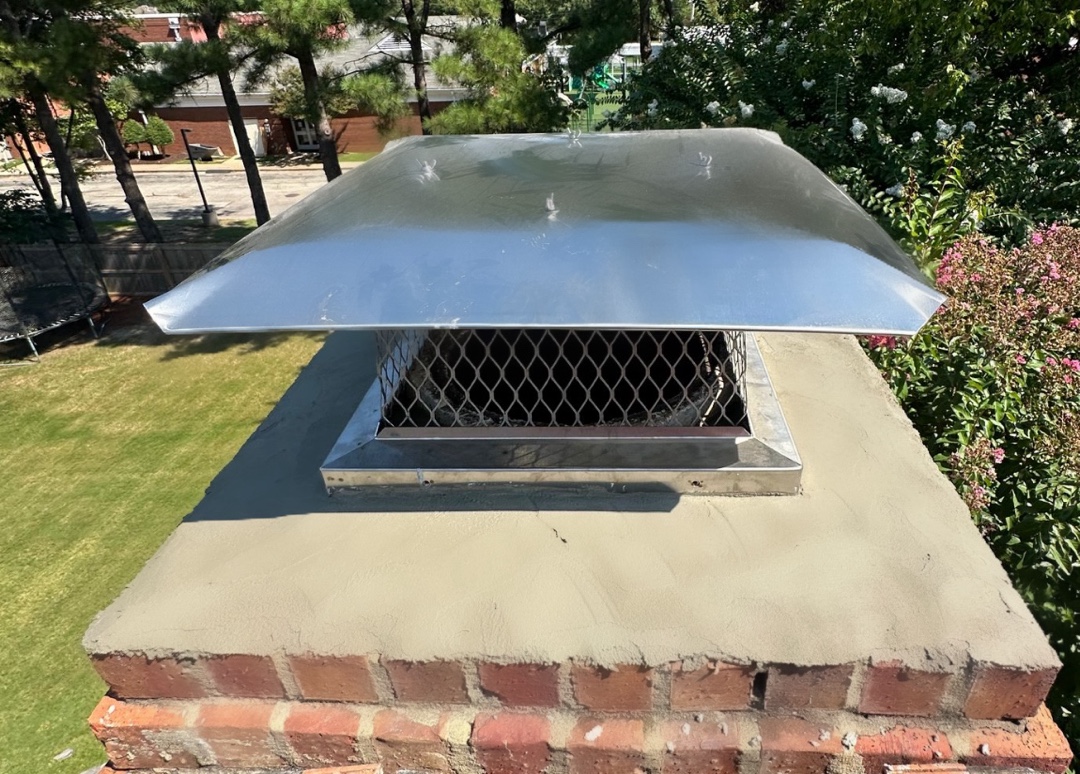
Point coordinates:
[[858, 625], [483, 591]]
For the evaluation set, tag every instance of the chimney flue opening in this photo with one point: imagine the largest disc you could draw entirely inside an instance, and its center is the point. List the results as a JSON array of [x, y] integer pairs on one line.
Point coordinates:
[[559, 378]]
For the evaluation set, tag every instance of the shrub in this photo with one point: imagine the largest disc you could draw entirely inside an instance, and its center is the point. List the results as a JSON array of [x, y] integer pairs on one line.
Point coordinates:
[[134, 133], [158, 132], [993, 385]]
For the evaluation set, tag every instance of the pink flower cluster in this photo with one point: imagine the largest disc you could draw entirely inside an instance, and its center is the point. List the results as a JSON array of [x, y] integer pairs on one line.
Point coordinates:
[[1019, 300], [877, 342]]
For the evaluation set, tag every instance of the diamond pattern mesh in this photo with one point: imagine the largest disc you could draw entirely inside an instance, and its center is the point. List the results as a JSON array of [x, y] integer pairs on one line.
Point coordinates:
[[516, 377]]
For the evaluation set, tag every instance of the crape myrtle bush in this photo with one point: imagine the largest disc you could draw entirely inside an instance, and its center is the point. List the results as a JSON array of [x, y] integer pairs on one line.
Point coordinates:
[[942, 117], [993, 385]]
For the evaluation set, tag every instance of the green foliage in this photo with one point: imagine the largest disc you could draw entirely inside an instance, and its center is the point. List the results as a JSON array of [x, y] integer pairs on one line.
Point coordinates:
[[134, 133], [122, 96], [502, 98], [596, 29], [972, 128], [287, 97], [158, 132], [993, 385], [380, 92], [23, 219], [292, 28]]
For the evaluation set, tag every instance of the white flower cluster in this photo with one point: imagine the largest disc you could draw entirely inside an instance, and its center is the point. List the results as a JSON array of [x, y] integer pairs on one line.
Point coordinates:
[[916, 137], [858, 129], [782, 47], [652, 107], [889, 94], [895, 68], [895, 191], [968, 127], [808, 84], [713, 107], [745, 110], [944, 130], [1065, 125]]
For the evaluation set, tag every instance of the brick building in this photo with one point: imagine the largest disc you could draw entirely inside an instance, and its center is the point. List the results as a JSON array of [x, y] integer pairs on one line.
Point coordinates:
[[202, 109]]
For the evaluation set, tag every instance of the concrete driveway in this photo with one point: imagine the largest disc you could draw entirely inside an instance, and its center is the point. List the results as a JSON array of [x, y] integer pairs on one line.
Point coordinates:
[[173, 194]]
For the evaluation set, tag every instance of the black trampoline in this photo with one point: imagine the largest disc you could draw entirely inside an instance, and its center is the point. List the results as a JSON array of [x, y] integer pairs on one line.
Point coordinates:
[[45, 288]]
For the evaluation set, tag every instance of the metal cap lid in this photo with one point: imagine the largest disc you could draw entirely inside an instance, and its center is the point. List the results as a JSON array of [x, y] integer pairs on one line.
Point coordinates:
[[698, 229]]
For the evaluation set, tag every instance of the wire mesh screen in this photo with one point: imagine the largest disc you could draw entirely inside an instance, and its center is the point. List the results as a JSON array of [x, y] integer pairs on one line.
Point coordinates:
[[39, 291], [562, 378]]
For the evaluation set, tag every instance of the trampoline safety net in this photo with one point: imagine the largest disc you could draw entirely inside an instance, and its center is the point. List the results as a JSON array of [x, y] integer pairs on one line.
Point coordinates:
[[44, 289]]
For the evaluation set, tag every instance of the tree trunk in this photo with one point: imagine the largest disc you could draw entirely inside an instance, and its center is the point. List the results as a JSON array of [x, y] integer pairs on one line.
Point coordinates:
[[38, 176], [417, 24], [309, 73], [69, 180], [114, 145], [645, 29], [243, 144], [508, 15]]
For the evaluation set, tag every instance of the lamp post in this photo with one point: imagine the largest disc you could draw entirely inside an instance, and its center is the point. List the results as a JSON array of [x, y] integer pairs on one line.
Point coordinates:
[[209, 217]]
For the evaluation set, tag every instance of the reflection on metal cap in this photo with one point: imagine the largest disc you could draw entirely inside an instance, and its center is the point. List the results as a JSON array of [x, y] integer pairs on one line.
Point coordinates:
[[698, 229]]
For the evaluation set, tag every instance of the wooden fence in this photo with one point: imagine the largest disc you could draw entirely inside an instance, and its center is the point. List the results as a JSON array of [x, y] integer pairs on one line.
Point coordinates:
[[144, 270]]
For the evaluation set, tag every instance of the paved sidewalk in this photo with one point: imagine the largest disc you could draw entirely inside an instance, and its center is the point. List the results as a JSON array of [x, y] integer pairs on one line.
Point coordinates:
[[171, 191]]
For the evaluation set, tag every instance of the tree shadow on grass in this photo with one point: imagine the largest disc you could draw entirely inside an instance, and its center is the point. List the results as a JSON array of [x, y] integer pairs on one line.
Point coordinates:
[[213, 343], [127, 323]]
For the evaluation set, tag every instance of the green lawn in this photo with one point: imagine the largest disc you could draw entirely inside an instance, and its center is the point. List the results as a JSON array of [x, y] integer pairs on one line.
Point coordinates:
[[104, 447]]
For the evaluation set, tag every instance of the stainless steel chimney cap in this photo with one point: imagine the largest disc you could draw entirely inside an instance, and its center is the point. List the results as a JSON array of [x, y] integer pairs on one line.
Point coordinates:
[[711, 229]]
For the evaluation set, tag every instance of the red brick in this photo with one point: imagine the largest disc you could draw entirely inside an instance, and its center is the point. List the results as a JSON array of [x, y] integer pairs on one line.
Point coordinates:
[[366, 768], [799, 688], [715, 686], [512, 743], [902, 745], [322, 735], [626, 687], [700, 748], [142, 736], [1040, 746], [521, 685], [405, 744], [238, 733], [245, 677], [428, 681], [1000, 692], [139, 677], [618, 749], [334, 678], [793, 746], [891, 688]]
